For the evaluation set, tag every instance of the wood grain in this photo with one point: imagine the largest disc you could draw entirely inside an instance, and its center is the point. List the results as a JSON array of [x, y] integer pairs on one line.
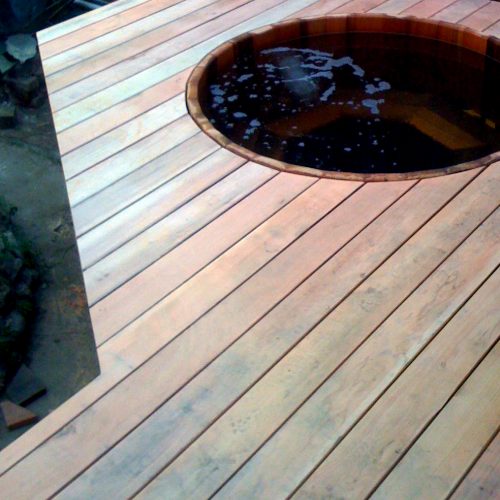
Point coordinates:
[[254, 325], [435, 463]]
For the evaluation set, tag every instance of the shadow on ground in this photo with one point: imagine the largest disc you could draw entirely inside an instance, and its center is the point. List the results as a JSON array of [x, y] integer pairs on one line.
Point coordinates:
[[62, 350]]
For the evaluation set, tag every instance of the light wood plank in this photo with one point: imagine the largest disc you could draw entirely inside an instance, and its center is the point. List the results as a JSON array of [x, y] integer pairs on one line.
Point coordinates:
[[147, 247], [484, 17], [385, 433], [130, 222], [120, 138], [244, 363], [438, 459], [106, 53], [116, 369], [111, 26], [128, 67], [358, 6], [127, 303], [303, 441], [494, 30], [460, 9], [123, 90], [129, 160], [210, 460], [64, 53], [394, 6], [115, 116], [320, 8], [86, 19], [138, 184], [427, 8], [482, 482]]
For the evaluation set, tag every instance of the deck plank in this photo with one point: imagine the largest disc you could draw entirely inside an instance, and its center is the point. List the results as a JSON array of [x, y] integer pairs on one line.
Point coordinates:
[[156, 51], [459, 10], [125, 89], [74, 137], [86, 19], [126, 161], [440, 457], [108, 68], [155, 241], [120, 138], [124, 192], [272, 337], [484, 17], [385, 433], [299, 372], [483, 480], [130, 222], [303, 441], [64, 54], [138, 407], [243, 220]]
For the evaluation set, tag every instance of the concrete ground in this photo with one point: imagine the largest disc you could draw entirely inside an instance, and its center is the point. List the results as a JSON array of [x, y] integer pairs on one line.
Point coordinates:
[[62, 351]]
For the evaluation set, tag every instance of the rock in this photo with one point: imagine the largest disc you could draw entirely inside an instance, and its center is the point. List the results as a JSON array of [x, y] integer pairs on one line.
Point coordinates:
[[25, 387], [16, 416], [22, 47], [5, 64], [4, 294], [24, 88], [15, 324], [8, 115], [11, 242], [26, 282], [10, 266]]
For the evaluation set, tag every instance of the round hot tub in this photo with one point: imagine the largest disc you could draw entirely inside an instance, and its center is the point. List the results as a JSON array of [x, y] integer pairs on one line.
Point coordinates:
[[369, 97]]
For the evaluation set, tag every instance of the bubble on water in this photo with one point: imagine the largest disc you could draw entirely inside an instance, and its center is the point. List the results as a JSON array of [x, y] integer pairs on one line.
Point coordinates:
[[380, 87], [348, 150], [216, 90], [301, 144], [245, 77], [239, 114], [232, 98], [328, 92], [372, 105]]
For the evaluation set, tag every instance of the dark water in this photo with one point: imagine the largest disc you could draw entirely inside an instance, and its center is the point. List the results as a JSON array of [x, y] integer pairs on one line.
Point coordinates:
[[360, 103]]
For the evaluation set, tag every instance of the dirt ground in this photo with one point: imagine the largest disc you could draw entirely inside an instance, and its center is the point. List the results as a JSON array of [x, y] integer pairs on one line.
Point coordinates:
[[62, 351]]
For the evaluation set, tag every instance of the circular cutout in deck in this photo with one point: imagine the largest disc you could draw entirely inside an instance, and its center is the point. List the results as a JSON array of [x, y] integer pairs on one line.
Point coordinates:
[[360, 96]]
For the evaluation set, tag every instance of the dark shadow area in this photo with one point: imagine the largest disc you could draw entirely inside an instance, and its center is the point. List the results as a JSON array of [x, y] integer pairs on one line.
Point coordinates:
[[57, 344]]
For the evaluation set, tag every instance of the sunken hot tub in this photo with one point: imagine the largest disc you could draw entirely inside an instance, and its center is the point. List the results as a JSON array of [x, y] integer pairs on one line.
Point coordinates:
[[368, 97]]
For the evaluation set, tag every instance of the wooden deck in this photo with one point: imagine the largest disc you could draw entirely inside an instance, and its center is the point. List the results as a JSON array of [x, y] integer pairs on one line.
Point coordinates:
[[261, 334]]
